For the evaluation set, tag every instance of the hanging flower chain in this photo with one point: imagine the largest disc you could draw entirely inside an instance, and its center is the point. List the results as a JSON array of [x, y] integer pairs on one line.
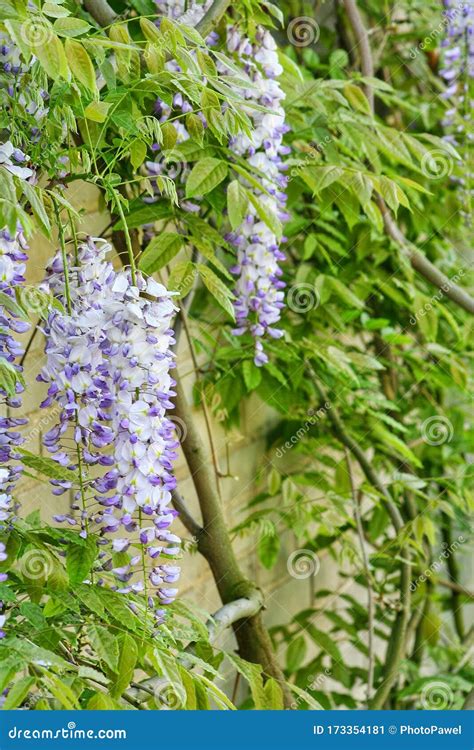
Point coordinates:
[[12, 275], [108, 368], [259, 295]]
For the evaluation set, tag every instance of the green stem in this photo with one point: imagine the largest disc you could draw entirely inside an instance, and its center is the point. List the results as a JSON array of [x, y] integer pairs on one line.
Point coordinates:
[[67, 291], [128, 241]]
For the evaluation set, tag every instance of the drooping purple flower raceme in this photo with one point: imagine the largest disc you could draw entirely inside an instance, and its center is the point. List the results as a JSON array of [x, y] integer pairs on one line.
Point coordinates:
[[259, 295], [173, 164], [20, 94], [458, 73], [259, 285], [12, 275], [108, 367], [458, 46]]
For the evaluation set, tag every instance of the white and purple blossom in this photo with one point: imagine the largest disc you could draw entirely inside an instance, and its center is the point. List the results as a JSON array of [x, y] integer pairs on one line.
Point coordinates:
[[259, 287], [108, 367], [458, 74], [12, 275]]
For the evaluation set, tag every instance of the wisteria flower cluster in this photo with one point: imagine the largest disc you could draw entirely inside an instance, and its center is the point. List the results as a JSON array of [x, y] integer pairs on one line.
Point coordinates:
[[259, 295], [12, 275], [21, 95], [173, 164], [108, 368], [458, 74], [259, 285]]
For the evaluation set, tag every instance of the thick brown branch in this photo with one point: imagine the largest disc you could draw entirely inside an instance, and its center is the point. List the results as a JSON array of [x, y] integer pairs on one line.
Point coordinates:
[[100, 11], [215, 545], [212, 17], [363, 45]]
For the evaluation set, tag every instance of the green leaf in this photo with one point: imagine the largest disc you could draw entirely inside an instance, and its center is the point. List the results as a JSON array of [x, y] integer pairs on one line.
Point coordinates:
[[160, 251], [150, 31], [79, 560], [205, 176], [47, 466], [138, 151], [9, 377], [71, 26], [207, 251], [305, 696], [97, 111], [91, 599], [356, 98], [325, 642], [237, 203], [268, 549], [128, 655], [102, 702], [295, 654], [273, 695], [217, 288], [266, 214], [253, 674], [181, 278], [141, 214], [35, 198], [105, 645], [80, 64], [275, 11], [50, 53], [55, 10], [252, 374], [18, 693]]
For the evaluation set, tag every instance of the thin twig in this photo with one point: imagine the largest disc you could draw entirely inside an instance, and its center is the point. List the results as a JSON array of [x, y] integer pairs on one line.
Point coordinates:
[[396, 647], [365, 561], [185, 516], [418, 261]]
